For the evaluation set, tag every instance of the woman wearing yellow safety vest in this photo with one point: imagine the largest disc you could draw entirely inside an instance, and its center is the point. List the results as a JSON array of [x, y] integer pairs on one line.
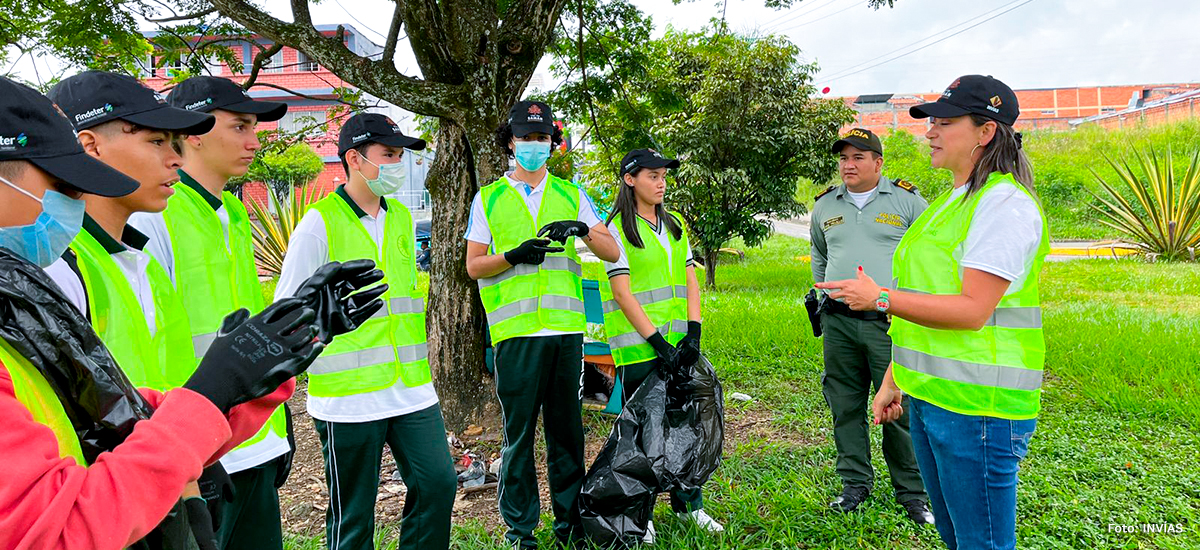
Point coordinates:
[[652, 313], [967, 329], [533, 296]]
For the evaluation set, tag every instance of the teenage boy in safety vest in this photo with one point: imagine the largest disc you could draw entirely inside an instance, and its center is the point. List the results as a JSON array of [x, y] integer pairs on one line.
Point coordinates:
[[122, 291], [534, 301], [652, 302], [57, 381], [203, 242], [374, 387]]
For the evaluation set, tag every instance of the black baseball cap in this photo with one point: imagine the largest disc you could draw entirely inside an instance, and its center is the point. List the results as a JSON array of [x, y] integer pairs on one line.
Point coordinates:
[[34, 129], [527, 117], [205, 94], [645, 158], [859, 138], [92, 98], [973, 94], [374, 127]]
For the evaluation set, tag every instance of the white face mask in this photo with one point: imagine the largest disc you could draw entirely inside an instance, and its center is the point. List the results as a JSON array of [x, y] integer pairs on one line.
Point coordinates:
[[391, 178]]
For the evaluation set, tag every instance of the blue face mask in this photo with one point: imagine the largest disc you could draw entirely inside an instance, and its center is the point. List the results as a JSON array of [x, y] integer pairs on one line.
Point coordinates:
[[45, 240], [532, 155]]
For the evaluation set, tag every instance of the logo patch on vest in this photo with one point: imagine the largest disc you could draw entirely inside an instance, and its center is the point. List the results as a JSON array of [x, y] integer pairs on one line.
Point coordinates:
[[836, 220]]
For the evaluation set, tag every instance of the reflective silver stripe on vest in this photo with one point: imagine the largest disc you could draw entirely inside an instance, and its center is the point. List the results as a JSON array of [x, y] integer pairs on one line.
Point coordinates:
[[327, 364], [407, 305], [1006, 317], [414, 352], [529, 305], [647, 297], [201, 343], [552, 263], [992, 376], [1016, 317], [633, 338]]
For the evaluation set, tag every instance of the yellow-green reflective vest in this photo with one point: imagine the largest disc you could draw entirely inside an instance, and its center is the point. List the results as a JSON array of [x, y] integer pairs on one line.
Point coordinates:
[[214, 280], [160, 362], [658, 285], [528, 298], [995, 371], [390, 346], [35, 393]]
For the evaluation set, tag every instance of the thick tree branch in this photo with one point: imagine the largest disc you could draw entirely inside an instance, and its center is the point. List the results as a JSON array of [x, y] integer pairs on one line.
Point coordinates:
[[389, 47], [260, 59], [300, 15], [380, 77]]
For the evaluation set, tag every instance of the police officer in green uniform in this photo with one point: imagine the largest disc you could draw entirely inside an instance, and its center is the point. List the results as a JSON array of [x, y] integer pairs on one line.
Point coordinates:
[[857, 225]]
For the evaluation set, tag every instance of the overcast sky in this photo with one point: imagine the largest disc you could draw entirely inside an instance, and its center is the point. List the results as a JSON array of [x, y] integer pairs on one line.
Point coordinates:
[[1039, 43]]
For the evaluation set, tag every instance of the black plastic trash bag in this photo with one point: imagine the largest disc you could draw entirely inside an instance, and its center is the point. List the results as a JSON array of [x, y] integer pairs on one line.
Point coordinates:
[[40, 323], [668, 437]]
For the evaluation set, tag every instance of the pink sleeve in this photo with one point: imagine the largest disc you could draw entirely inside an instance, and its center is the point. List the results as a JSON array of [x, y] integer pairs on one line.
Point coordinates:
[[48, 502], [246, 419]]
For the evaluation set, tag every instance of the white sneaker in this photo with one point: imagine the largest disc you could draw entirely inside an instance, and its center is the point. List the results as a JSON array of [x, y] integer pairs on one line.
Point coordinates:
[[702, 519], [648, 538]]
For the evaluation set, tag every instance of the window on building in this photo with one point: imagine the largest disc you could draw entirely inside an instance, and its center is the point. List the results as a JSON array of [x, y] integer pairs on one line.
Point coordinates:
[[303, 121], [275, 64], [306, 63]]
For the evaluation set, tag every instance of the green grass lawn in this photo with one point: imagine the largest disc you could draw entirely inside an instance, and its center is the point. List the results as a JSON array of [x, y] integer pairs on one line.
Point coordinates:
[[1117, 442]]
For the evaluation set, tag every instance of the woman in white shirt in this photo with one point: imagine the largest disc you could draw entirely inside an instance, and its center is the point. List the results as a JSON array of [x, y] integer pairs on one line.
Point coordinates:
[[966, 331]]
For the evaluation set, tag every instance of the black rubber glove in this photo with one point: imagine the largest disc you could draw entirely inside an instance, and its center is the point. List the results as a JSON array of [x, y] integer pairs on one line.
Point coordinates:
[[217, 489], [201, 523], [333, 292], [285, 464], [667, 354], [689, 347], [562, 230], [531, 252], [252, 356]]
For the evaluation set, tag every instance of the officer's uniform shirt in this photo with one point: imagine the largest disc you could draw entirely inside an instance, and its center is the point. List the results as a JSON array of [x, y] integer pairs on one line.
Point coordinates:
[[845, 235], [478, 230], [154, 226], [621, 266], [128, 256], [308, 250]]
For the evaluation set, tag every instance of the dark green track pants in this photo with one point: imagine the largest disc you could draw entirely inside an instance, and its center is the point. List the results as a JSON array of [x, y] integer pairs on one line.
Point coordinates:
[[252, 520], [632, 377], [353, 453], [541, 374]]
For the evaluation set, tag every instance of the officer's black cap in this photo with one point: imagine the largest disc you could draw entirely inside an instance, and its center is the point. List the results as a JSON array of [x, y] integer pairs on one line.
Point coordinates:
[[374, 127], [34, 129], [859, 138], [645, 158], [527, 117], [973, 94], [206, 94], [92, 98]]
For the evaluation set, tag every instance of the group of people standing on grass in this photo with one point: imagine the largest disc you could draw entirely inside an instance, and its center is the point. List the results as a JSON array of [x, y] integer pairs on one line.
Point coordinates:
[[117, 238]]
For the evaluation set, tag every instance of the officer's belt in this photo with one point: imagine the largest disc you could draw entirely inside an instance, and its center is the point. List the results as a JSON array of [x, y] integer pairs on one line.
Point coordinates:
[[838, 308]]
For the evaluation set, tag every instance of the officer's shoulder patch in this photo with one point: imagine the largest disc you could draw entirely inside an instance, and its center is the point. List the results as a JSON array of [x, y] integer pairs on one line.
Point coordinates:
[[825, 192], [905, 186]]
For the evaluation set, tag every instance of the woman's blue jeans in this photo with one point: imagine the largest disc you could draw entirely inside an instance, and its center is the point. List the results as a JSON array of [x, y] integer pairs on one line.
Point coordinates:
[[970, 464]]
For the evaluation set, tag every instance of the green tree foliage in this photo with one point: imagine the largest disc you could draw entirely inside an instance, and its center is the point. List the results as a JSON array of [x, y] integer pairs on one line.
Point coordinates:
[[736, 110], [282, 168]]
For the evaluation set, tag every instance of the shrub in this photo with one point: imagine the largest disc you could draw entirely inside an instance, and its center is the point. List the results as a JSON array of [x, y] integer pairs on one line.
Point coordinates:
[[1164, 217]]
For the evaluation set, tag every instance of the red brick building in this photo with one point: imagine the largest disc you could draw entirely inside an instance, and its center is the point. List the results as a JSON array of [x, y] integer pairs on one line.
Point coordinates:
[[1053, 108], [293, 70]]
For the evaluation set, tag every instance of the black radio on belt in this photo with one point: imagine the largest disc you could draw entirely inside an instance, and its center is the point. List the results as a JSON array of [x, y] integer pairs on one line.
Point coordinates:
[[813, 305]]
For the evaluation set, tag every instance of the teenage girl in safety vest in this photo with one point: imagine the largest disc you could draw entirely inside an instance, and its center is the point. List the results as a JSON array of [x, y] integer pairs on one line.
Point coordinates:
[[967, 331], [652, 314]]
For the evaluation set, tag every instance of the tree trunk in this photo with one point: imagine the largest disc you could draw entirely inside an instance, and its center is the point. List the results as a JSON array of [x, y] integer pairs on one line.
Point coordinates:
[[710, 267]]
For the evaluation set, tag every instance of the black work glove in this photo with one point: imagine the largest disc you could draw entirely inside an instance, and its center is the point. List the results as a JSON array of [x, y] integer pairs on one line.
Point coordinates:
[[252, 356], [201, 524], [689, 347], [217, 489], [531, 252], [333, 292], [667, 354], [562, 230], [285, 461]]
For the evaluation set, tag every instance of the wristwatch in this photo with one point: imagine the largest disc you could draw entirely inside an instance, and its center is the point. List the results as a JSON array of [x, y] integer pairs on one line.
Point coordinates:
[[882, 303]]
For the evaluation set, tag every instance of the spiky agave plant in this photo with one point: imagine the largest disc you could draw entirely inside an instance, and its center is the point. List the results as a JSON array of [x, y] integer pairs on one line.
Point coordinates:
[[272, 231], [1164, 217]]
